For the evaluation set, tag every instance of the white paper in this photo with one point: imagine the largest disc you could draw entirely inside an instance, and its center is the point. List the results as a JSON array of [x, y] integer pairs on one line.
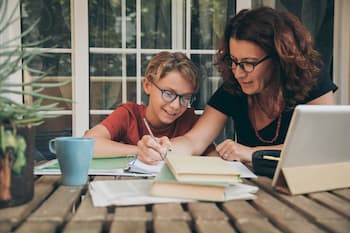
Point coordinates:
[[138, 166], [242, 169], [126, 192], [239, 191], [137, 192]]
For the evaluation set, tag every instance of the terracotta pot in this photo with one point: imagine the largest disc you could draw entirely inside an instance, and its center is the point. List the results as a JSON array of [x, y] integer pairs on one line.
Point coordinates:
[[16, 171]]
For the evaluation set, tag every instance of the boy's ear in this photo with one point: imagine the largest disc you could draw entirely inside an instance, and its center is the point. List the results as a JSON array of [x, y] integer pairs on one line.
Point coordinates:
[[147, 86]]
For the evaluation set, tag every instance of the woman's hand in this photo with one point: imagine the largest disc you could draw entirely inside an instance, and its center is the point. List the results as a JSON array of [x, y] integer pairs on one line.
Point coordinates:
[[231, 150], [152, 150]]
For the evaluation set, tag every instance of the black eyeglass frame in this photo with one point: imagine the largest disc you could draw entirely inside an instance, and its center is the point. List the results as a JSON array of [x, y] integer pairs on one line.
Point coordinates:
[[168, 93], [242, 64]]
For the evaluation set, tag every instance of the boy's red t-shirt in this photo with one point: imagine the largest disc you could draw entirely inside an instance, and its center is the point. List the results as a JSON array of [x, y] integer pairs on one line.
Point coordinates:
[[125, 124]]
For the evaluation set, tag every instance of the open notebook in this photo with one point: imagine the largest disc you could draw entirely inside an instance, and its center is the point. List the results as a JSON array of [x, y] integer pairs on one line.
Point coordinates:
[[316, 152]]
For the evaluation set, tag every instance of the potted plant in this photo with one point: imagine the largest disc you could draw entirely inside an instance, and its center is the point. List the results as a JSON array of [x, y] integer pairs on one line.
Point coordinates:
[[17, 120]]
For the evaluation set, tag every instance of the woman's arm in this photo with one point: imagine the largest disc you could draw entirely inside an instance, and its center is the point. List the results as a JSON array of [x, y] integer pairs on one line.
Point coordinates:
[[231, 150], [105, 146], [194, 142]]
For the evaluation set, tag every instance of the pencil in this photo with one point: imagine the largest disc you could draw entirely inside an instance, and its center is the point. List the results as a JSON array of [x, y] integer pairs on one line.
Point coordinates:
[[151, 134], [269, 157]]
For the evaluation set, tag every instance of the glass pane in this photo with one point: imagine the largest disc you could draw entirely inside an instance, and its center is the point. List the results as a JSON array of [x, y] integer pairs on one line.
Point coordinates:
[[208, 19], [54, 64], [106, 85], [208, 79], [106, 79], [131, 90], [96, 119], [105, 65], [61, 126], [105, 93], [145, 58], [52, 22], [105, 24], [58, 69], [156, 24], [131, 24]]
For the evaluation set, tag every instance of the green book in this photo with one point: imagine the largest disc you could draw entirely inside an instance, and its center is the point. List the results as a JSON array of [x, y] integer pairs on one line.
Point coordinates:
[[98, 166], [166, 185]]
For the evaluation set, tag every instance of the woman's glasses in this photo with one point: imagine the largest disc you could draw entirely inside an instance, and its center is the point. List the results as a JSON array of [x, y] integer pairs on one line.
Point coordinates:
[[246, 66], [169, 96]]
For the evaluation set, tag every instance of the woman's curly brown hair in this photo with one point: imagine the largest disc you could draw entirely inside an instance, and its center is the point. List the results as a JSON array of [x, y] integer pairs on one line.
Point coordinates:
[[285, 39]]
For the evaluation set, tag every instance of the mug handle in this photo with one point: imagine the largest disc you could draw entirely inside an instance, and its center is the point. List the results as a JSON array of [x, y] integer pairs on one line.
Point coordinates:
[[52, 146]]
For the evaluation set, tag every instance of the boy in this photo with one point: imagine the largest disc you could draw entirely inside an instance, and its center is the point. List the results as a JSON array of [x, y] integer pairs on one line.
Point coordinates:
[[171, 81]]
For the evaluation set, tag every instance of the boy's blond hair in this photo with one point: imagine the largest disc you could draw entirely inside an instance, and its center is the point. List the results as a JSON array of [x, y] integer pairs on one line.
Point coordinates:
[[164, 62]]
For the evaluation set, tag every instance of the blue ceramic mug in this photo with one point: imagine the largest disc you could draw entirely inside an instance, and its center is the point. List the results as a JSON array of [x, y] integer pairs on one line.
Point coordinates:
[[74, 155]]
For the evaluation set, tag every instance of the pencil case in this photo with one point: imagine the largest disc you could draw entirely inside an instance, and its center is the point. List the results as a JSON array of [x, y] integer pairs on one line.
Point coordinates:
[[265, 162]]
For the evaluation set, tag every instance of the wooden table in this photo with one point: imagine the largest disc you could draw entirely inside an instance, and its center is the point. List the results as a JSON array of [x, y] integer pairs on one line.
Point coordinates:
[[57, 208]]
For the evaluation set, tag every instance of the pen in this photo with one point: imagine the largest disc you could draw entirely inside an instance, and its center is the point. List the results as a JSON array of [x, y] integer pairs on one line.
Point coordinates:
[[269, 157], [152, 135]]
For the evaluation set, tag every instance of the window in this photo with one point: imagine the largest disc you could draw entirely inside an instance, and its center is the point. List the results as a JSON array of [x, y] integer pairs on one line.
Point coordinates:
[[120, 37]]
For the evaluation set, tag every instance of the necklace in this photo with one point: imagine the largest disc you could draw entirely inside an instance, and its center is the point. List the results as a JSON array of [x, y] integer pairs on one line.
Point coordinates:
[[276, 132]]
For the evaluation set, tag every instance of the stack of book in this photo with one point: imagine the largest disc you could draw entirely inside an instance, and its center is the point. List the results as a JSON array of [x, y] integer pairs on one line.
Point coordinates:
[[201, 178]]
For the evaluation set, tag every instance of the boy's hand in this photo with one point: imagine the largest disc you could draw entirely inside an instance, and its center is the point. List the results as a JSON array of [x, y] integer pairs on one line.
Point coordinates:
[[152, 150]]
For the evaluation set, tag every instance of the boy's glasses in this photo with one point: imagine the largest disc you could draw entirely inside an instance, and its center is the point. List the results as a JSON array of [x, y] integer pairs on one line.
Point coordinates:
[[169, 96], [246, 66]]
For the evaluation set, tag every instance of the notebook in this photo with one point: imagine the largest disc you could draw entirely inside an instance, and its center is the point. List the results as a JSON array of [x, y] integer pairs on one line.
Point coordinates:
[[316, 152]]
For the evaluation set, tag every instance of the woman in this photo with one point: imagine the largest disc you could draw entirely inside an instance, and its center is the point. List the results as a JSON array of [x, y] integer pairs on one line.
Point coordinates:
[[268, 67]]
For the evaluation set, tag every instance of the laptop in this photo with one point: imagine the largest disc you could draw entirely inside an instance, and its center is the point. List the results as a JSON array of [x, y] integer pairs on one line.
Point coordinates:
[[316, 152]]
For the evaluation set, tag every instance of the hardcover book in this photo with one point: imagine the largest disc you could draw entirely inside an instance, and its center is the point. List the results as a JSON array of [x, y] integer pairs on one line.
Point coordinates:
[[202, 168], [166, 185]]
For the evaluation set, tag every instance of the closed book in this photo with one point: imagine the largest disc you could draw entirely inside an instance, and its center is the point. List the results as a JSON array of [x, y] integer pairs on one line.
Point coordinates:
[[166, 185], [201, 168]]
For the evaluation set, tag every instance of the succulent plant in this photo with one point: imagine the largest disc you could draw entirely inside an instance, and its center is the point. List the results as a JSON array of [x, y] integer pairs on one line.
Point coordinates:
[[15, 59]]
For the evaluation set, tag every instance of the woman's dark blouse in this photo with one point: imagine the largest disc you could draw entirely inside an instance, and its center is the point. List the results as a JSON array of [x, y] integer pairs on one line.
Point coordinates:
[[237, 108]]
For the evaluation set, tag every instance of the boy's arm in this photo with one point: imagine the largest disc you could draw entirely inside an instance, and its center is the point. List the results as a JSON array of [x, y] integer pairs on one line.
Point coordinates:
[[105, 146]]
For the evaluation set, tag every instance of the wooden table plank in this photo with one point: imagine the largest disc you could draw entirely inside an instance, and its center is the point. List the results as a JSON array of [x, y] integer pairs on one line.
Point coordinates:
[[170, 218], [313, 211], [217, 226], [132, 213], [83, 227], [174, 226], [11, 217], [284, 217], [169, 211], [125, 226], [205, 211], [59, 205], [344, 193], [87, 212], [333, 202], [37, 227], [247, 218]]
